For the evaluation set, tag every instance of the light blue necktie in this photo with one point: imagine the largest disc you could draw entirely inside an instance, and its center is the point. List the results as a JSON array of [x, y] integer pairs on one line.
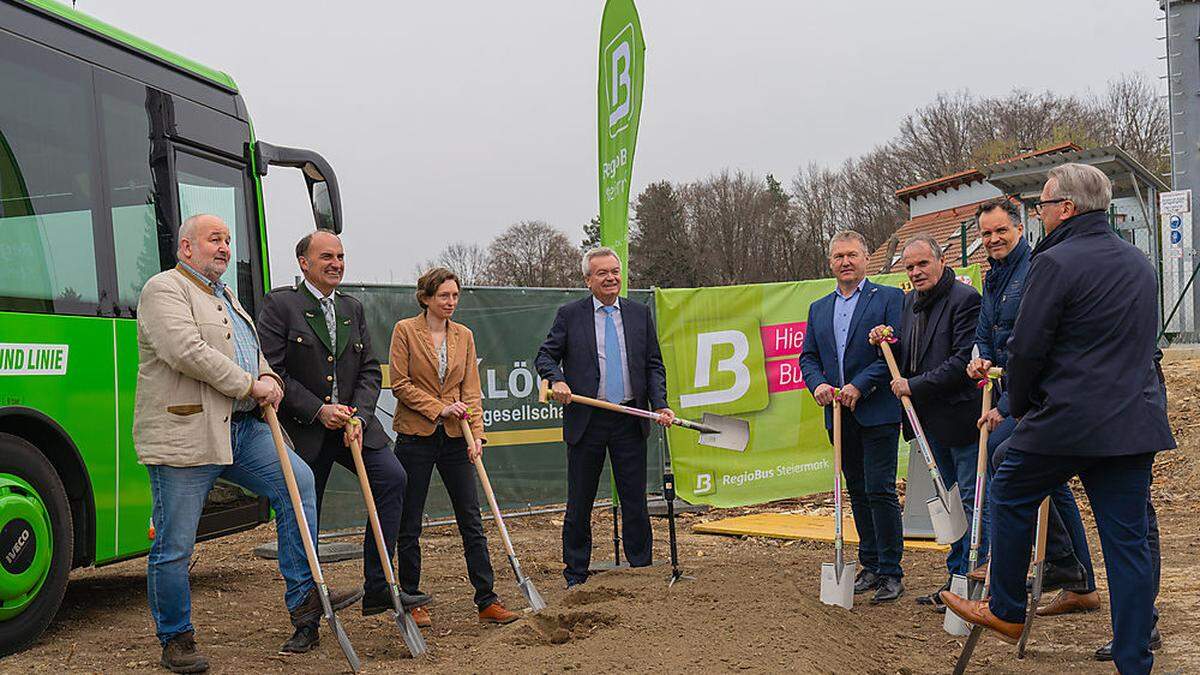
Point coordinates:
[[614, 375]]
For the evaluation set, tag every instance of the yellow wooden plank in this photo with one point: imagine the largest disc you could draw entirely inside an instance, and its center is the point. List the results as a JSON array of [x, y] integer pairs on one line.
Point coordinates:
[[797, 526], [524, 437]]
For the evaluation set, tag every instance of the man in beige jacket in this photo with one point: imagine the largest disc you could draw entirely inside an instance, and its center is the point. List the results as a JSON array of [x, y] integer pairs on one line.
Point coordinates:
[[201, 382]]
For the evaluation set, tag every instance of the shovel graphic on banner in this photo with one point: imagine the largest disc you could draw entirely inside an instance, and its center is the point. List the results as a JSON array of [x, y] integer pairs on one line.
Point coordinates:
[[945, 506]]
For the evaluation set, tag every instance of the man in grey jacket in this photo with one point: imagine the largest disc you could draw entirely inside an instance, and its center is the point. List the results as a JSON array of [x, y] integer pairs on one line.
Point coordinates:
[[202, 380]]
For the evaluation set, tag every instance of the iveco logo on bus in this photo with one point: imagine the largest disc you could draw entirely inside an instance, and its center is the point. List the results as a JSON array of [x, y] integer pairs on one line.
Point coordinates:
[[618, 75], [16, 549], [33, 359]]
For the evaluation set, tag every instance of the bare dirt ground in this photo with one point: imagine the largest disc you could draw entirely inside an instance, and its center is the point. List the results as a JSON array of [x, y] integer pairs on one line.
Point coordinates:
[[752, 606]]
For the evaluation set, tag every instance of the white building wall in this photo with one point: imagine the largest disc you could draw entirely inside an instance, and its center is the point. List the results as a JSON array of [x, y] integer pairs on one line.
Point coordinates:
[[948, 199]]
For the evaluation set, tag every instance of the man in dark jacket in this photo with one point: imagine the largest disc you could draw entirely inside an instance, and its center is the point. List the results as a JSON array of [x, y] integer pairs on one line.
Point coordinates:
[[316, 338], [1068, 560], [605, 346], [936, 332], [837, 355], [1082, 388]]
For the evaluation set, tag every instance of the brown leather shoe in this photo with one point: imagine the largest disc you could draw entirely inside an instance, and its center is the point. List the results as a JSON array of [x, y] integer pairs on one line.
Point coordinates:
[[495, 613], [421, 616], [1069, 602], [979, 573], [977, 612]]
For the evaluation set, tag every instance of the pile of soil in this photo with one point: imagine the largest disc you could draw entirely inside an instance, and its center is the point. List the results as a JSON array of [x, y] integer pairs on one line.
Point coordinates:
[[752, 607]]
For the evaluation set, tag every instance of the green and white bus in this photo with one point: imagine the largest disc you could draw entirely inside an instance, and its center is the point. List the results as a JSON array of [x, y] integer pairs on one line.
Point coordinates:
[[107, 143]]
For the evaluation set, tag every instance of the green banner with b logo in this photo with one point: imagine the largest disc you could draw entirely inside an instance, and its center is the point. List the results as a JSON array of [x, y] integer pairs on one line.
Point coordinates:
[[619, 99], [735, 351]]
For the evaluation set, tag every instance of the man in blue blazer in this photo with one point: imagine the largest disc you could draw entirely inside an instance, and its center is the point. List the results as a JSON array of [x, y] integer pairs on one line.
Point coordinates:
[[605, 346], [837, 354], [1083, 387]]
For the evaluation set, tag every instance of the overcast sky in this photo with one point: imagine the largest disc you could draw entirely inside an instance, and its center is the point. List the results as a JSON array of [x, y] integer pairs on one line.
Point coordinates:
[[448, 121]]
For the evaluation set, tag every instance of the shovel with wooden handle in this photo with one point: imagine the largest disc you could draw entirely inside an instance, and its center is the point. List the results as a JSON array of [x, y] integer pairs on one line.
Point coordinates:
[[837, 578], [404, 621], [536, 603], [310, 549], [964, 657], [717, 431], [1039, 574], [945, 506], [959, 584]]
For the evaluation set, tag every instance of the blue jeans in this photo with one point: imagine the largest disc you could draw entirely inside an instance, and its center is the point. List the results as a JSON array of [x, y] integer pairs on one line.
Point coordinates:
[[957, 464], [178, 495]]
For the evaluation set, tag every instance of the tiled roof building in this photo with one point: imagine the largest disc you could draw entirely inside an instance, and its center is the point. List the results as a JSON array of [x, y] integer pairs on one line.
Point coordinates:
[[942, 208]]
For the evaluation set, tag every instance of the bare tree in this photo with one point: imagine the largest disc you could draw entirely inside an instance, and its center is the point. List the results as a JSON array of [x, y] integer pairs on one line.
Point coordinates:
[[734, 228], [1134, 117], [728, 213], [532, 253], [467, 261]]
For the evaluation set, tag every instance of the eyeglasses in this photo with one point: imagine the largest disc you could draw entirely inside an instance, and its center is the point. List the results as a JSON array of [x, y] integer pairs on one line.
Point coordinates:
[[1037, 206]]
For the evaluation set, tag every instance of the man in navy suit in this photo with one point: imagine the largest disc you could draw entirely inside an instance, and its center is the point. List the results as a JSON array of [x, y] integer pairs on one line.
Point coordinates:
[[1084, 390], [605, 346], [837, 354]]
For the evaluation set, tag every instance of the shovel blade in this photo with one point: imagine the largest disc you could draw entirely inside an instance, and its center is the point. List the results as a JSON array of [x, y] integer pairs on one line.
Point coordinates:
[[949, 519], [536, 603], [344, 642], [952, 624], [412, 634], [732, 433], [837, 590]]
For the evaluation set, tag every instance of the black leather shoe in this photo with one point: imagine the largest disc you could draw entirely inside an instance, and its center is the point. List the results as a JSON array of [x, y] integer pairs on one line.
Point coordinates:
[[180, 655], [310, 611], [305, 639], [865, 581], [934, 599], [377, 602], [888, 590], [1105, 652], [1056, 578]]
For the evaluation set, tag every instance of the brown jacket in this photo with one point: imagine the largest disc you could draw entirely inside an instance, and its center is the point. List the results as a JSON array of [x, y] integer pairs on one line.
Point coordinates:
[[187, 376], [420, 397]]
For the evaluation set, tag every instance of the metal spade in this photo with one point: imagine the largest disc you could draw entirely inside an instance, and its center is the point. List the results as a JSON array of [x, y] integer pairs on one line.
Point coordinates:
[[837, 578], [716, 431], [404, 621], [945, 506]]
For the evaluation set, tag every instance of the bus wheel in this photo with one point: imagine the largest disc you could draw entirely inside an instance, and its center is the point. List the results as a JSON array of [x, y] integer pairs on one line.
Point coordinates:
[[35, 543]]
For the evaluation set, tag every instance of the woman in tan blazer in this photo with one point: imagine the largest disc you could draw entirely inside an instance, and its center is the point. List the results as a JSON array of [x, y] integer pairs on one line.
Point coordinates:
[[435, 378]]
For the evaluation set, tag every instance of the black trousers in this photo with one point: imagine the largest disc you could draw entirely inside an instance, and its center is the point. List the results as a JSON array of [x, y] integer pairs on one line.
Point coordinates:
[[621, 436], [388, 481], [869, 464], [419, 455]]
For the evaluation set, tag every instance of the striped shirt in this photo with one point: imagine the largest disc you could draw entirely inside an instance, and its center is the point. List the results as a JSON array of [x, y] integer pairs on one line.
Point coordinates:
[[245, 342]]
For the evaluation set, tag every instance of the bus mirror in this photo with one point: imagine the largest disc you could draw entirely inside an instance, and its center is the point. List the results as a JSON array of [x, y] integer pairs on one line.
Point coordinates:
[[318, 174], [322, 207]]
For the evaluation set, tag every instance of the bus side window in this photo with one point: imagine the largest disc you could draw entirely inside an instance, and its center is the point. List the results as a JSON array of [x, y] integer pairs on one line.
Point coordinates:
[[143, 236], [47, 183]]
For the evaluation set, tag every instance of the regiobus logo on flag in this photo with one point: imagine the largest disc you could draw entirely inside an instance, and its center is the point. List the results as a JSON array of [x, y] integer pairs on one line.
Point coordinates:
[[618, 71], [739, 365]]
